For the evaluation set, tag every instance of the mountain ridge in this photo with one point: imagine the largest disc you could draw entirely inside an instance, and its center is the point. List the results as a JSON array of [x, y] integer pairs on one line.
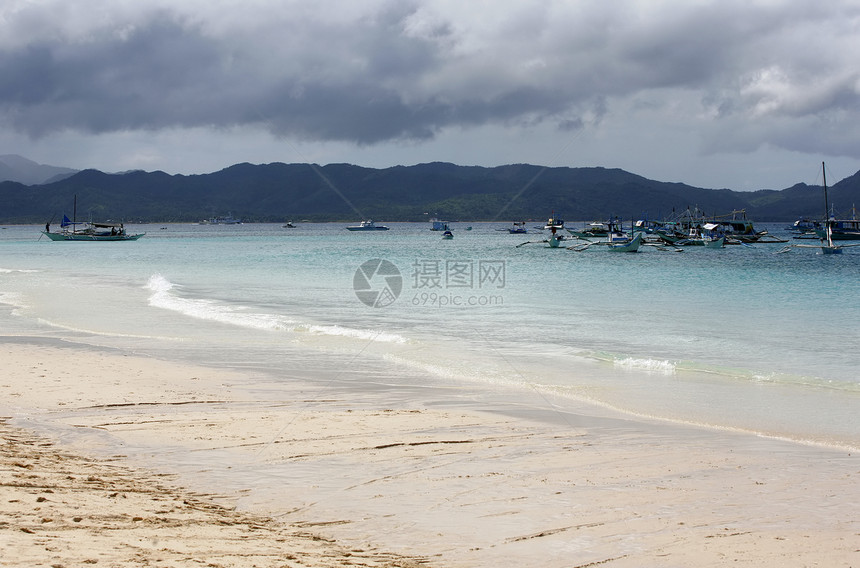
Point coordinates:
[[344, 192], [14, 167]]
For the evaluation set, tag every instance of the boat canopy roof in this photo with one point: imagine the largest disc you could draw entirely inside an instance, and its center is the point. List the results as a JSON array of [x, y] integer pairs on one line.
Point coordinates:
[[106, 225]]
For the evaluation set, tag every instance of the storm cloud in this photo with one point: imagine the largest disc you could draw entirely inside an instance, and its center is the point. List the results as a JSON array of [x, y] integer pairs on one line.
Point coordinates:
[[742, 74]]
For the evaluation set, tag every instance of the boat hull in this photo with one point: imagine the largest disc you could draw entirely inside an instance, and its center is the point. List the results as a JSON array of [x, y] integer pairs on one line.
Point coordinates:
[[85, 237], [831, 250], [632, 246], [839, 235]]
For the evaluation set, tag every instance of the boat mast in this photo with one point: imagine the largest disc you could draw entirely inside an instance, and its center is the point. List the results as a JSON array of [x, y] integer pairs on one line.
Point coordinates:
[[826, 205], [828, 230]]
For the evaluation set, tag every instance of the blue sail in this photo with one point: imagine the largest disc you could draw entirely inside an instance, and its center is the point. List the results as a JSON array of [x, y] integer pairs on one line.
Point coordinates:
[[66, 222]]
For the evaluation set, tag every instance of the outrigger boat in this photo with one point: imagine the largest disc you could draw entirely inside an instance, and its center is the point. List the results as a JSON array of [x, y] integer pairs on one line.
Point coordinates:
[[735, 226], [803, 226], [630, 246], [616, 240], [594, 229], [842, 229], [555, 239], [228, 220], [519, 228], [108, 231], [438, 225], [92, 232], [554, 223], [826, 235], [711, 237]]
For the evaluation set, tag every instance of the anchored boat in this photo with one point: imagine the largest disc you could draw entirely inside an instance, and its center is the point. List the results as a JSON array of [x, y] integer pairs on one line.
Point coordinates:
[[89, 231], [367, 226], [841, 229], [826, 234], [616, 240], [519, 228], [94, 232]]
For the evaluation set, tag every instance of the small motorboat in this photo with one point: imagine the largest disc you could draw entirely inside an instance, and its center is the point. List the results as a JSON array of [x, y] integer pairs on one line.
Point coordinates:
[[367, 226]]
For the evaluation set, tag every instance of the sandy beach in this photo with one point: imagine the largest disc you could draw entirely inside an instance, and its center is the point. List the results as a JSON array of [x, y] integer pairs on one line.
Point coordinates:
[[62, 509], [117, 460]]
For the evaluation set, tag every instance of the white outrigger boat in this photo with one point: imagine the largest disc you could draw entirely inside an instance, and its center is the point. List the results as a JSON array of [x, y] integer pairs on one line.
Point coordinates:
[[630, 245], [518, 228], [712, 237], [593, 230], [616, 240], [554, 223], [555, 239], [709, 235], [826, 246]]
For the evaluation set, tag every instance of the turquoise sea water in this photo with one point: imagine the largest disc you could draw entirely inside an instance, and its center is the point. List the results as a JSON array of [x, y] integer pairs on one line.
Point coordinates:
[[740, 338]]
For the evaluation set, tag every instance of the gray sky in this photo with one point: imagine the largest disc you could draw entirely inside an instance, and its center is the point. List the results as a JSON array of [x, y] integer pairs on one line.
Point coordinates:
[[744, 94]]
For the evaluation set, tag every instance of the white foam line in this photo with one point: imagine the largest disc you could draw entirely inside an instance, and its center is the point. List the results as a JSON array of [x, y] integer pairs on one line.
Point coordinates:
[[211, 310]]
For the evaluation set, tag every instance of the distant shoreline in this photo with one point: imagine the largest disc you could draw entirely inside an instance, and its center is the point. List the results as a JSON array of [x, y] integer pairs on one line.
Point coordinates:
[[344, 192]]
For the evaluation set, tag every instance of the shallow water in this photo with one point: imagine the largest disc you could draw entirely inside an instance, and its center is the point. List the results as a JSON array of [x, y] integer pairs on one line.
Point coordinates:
[[739, 338]]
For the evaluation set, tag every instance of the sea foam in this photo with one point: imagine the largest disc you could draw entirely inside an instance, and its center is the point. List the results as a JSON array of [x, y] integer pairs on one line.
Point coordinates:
[[164, 297], [13, 300], [18, 270], [206, 309], [649, 365]]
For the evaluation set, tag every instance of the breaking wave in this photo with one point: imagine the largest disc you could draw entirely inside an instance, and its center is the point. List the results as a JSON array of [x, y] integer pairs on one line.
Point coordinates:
[[163, 296]]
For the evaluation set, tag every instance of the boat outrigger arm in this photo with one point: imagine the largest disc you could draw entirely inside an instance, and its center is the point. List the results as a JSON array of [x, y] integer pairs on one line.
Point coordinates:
[[829, 247], [826, 246]]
